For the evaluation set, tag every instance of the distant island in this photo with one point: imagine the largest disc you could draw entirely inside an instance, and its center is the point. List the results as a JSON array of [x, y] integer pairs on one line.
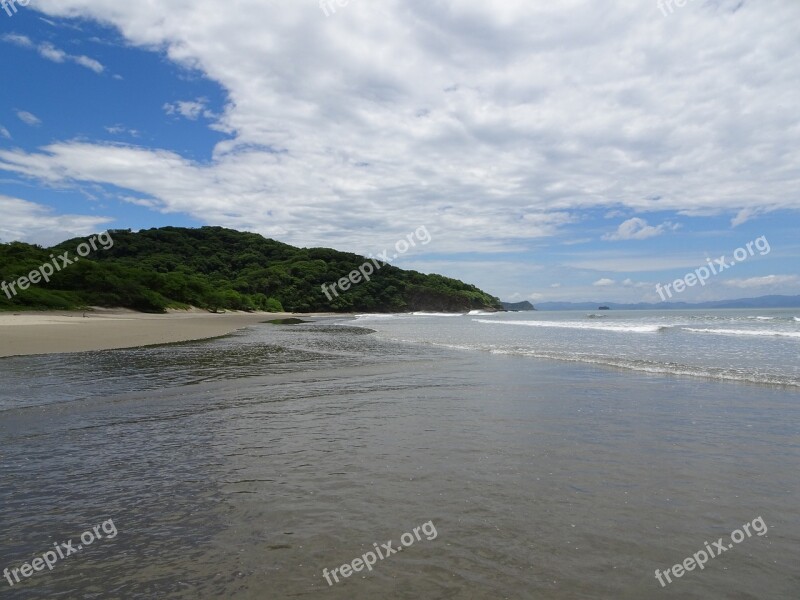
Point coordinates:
[[518, 306], [760, 302], [221, 269]]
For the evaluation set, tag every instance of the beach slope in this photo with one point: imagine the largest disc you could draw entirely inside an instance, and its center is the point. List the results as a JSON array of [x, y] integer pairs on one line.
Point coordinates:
[[102, 329]]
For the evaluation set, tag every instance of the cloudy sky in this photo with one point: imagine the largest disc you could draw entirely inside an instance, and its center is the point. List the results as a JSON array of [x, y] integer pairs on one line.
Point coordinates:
[[570, 150]]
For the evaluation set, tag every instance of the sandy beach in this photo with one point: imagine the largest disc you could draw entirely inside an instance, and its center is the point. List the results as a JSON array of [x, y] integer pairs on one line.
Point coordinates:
[[24, 334]]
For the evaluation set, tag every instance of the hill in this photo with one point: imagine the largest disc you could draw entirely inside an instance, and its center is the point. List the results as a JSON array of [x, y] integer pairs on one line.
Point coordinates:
[[217, 268], [518, 306]]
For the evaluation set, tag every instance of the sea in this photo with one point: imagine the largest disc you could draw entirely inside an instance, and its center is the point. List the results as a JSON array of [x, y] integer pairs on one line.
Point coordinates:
[[563, 455]]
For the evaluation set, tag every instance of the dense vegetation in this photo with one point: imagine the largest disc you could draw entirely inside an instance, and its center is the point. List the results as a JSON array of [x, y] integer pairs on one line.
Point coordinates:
[[216, 269]]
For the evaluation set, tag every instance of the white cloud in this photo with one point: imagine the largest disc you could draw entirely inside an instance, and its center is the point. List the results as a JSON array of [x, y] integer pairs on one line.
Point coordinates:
[[36, 224], [743, 216], [766, 281], [89, 63], [467, 116], [120, 129], [555, 285], [19, 40], [605, 282], [4, 133], [28, 118], [190, 109], [51, 53], [638, 229], [630, 283]]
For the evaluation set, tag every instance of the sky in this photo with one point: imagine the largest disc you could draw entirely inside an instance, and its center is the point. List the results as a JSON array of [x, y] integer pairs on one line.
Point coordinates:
[[555, 151]]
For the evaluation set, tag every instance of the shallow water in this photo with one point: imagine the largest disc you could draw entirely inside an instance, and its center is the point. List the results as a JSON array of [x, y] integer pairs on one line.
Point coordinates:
[[757, 346], [241, 467]]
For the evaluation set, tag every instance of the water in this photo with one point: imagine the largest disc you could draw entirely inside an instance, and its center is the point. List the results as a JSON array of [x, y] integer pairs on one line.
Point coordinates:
[[244, 466], [748, 346]]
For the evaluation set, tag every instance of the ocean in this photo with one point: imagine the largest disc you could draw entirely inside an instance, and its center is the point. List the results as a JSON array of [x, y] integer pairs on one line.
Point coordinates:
[[558, 455]]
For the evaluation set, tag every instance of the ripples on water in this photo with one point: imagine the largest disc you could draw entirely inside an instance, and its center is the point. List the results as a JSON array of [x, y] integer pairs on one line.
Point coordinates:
[[722, 345], [241, 467]]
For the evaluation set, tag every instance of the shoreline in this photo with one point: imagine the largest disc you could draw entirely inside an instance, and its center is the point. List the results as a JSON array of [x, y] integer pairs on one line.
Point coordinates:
[[62, 332]]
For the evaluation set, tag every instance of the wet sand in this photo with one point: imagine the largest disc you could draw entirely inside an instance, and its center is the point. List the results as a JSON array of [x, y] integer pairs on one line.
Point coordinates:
[[23, 334]]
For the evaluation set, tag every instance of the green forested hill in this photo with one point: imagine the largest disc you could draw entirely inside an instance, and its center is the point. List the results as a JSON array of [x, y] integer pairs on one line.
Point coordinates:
[[217, 268]]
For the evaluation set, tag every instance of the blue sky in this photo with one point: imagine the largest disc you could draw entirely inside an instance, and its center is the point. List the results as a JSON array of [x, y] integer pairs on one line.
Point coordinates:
[[567, 152]]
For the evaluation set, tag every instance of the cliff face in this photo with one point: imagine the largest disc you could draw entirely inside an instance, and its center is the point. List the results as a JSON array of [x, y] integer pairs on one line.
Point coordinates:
[[518, 305]]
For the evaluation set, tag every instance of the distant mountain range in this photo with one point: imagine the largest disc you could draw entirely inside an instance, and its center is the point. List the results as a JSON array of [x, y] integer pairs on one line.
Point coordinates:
[[760, 302]]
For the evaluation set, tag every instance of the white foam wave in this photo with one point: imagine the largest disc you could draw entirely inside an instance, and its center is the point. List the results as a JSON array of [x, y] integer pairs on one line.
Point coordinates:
[[483, 313], [796, 319], [435, 314], [645, 366], [619, 328], [762, 318], [750, 332]]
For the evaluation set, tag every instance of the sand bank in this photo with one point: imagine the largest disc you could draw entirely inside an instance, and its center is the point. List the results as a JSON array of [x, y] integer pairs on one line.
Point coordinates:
[[57, 332]]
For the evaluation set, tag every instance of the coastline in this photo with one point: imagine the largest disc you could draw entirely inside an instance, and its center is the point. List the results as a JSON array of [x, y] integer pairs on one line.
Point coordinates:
[[57, 332]]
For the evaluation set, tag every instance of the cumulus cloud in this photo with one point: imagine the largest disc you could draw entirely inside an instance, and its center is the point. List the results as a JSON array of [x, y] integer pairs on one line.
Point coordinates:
[[465, 116], [638, 229], [766, 281], [28, 118], [605, 282], [36, 224]]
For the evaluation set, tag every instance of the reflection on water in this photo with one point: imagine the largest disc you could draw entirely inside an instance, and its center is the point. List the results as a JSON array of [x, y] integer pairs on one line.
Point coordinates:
[[240, 468]]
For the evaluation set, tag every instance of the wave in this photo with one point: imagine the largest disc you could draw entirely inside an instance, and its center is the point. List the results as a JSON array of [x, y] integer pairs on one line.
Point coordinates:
[[645, 366], [483, 313], [750, 332], [435, 314], [594, 316], [796, 319], [618, 328], [763, 318]]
